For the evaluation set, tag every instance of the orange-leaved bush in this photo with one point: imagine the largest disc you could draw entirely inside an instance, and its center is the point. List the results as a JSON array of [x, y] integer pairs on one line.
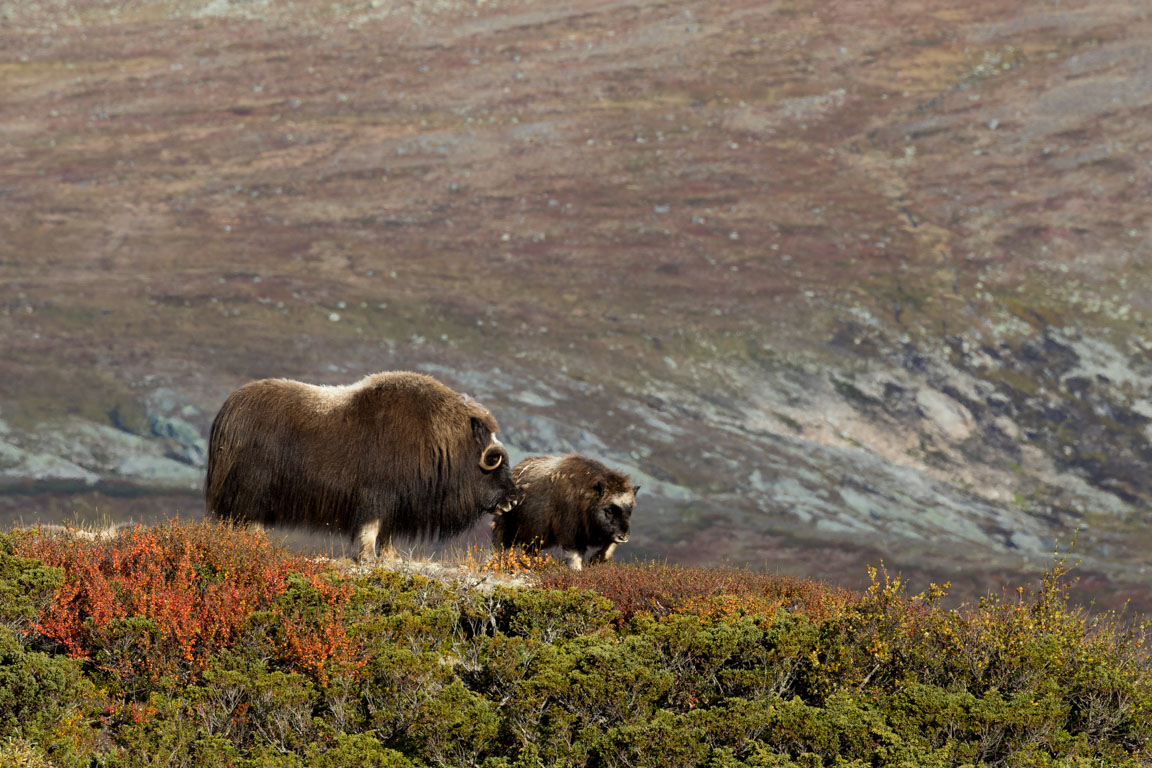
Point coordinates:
[[513, 560], [160, 601]]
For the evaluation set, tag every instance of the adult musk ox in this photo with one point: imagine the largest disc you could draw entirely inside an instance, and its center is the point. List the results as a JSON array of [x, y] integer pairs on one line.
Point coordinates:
[[395, 454], [568, 501]]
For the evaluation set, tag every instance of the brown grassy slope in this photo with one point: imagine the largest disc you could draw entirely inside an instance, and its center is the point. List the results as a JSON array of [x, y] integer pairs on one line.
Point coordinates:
[[172, 158]]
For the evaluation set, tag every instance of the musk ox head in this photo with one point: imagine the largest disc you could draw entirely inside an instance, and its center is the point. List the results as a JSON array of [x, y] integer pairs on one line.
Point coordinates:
[[497, 486], [613, 515], [572, 502]]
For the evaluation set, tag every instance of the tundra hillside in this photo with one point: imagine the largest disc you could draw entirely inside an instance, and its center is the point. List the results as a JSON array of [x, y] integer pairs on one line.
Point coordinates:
[[193, 645], [832, 280]]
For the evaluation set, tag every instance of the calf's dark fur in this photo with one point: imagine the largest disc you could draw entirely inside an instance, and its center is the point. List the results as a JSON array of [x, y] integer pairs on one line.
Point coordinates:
[[572, 502]]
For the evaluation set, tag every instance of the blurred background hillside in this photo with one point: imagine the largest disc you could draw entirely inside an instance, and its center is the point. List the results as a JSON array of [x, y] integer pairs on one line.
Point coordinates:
[[835, 281]]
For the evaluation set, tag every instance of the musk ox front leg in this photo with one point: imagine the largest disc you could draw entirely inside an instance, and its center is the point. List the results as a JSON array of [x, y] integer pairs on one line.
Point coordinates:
[[574, 558], [604, 554], [498, 533]]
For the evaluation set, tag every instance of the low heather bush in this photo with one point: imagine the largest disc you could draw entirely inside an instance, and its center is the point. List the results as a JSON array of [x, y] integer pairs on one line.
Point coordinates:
[[27, 587], [709, 592], [158, 602], [196, 645]]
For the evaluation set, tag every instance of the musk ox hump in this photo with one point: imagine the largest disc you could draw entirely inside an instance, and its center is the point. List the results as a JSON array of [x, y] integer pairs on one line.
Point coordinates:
[[535, 468], [583, 476], [605, 485], [415, 403]]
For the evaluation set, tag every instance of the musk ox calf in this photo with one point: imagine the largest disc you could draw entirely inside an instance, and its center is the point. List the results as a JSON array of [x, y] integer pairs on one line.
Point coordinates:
[[568, 501], [395, 454]]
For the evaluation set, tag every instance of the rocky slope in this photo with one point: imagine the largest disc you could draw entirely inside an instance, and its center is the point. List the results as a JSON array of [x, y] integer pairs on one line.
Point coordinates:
[[836, 281]]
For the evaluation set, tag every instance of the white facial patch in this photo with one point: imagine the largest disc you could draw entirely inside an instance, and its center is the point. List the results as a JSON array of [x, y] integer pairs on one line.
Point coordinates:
[[625, 500]]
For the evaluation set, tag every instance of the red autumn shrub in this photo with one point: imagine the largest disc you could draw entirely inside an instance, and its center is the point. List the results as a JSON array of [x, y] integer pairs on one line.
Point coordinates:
[[708, 592], [316, 640], [160, 601]]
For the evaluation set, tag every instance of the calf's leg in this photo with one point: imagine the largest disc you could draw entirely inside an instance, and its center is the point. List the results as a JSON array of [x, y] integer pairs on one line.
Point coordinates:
[[574, 558], [498, 533], [604, 554]]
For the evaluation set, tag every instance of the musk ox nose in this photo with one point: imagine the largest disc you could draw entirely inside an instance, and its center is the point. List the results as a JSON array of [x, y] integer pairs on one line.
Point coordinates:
[[620, 538]]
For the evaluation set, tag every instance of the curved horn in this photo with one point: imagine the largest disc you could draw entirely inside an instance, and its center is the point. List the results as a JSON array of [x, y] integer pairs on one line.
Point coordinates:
[[484, 465]]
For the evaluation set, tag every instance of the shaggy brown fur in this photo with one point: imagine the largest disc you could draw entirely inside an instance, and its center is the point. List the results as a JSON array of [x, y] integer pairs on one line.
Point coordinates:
[[395, 454], [568, 501]]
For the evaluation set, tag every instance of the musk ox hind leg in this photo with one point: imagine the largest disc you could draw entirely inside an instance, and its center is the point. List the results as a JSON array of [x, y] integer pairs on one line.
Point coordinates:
[[387, 551], [603, 555], [366, 535]]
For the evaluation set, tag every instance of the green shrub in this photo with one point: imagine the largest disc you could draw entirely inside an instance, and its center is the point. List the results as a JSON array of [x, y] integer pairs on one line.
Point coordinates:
[[20, 753], [456, 728], [396, 688], [44, 700], [552, 615], [243, 702], [26, 588], [663, 739], [705, 659], [664, 667], [358, 751]]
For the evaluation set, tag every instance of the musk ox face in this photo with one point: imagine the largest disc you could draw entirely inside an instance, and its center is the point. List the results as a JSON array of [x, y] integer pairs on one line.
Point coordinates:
[[614, 518], [497, 486]]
